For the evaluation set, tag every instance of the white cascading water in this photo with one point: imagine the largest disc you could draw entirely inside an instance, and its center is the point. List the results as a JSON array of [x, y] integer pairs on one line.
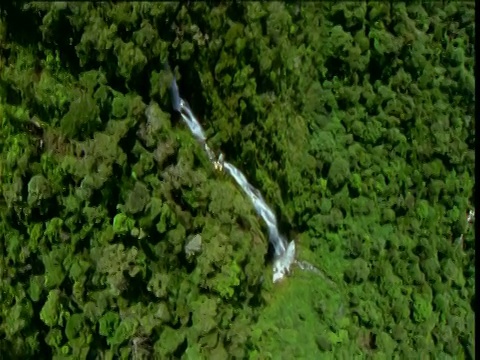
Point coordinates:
[[284, 253], [261, 207]]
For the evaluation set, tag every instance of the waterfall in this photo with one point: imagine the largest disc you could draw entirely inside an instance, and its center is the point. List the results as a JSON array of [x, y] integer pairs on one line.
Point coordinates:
[[284, 252], [261, 207], [191, 122]]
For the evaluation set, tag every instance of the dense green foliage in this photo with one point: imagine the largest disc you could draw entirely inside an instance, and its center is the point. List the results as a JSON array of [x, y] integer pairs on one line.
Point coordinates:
[[355, 120]]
